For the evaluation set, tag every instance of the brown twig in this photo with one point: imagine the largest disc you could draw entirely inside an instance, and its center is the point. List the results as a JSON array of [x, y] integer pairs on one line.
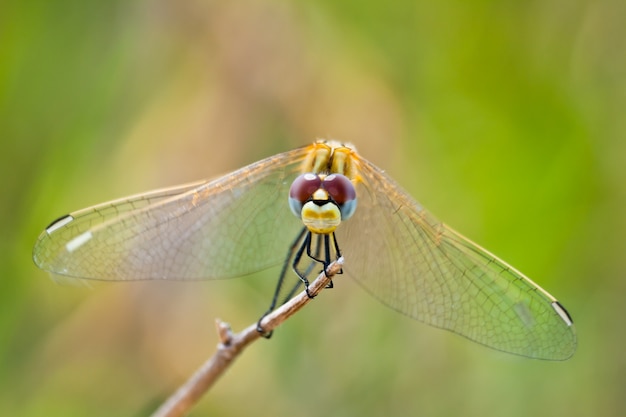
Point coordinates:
[[231, 345]]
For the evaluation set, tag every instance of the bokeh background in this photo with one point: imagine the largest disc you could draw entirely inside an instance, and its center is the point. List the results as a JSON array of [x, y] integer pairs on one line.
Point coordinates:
[[504, 118]]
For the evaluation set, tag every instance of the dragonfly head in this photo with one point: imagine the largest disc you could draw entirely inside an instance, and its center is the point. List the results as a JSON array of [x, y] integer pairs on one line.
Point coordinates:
[[322, 202]]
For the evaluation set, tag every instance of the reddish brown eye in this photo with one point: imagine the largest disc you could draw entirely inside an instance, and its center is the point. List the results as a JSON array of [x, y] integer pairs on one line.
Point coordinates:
[[304, 186], [340, 188]]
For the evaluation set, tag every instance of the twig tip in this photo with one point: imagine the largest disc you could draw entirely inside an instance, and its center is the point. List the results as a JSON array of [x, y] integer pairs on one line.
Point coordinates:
[[224, 332]]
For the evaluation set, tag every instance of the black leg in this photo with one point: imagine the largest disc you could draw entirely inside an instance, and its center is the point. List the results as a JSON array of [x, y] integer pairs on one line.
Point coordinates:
[[296, 243], [337, 251], [306, 245], [302, 243]]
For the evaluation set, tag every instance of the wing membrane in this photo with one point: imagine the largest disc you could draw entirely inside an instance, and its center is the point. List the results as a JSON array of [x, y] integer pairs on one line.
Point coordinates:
[[422, 268], [228, 227]]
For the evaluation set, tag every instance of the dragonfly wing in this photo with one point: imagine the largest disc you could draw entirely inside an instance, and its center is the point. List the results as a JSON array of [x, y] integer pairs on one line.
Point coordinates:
[[235, 225], [418, 266]]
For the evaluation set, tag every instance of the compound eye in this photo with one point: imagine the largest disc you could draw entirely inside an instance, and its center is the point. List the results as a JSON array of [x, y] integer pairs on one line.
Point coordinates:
[[340, 188], [342, 191], [302, 188]]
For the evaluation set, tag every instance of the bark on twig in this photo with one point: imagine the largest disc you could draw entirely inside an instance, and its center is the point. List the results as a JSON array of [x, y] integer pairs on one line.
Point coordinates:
[[231, 345]]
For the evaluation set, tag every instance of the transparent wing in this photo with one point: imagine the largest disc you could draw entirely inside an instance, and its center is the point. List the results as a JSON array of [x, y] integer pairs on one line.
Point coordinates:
[[418, 266], [235, 225]]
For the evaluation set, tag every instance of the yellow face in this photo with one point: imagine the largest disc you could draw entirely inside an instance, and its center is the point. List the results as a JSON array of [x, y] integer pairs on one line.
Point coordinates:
[[321, 218]]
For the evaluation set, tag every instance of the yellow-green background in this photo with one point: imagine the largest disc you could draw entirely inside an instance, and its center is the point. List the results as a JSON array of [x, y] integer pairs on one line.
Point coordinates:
[[505, 118]]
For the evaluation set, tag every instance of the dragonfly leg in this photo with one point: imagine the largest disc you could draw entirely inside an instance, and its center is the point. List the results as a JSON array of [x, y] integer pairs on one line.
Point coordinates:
[[337, 251], [296, 261], [304, 242], [281, 279]]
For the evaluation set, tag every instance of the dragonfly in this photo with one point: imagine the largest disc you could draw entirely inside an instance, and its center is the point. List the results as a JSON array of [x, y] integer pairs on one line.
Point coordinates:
[[303, 208]]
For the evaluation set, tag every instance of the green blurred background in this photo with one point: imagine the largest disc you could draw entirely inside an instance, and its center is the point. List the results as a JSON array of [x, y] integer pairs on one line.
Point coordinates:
[[504, 118]]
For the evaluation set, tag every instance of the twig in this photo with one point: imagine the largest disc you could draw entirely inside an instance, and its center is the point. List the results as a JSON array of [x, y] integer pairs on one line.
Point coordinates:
[[231, 345]]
